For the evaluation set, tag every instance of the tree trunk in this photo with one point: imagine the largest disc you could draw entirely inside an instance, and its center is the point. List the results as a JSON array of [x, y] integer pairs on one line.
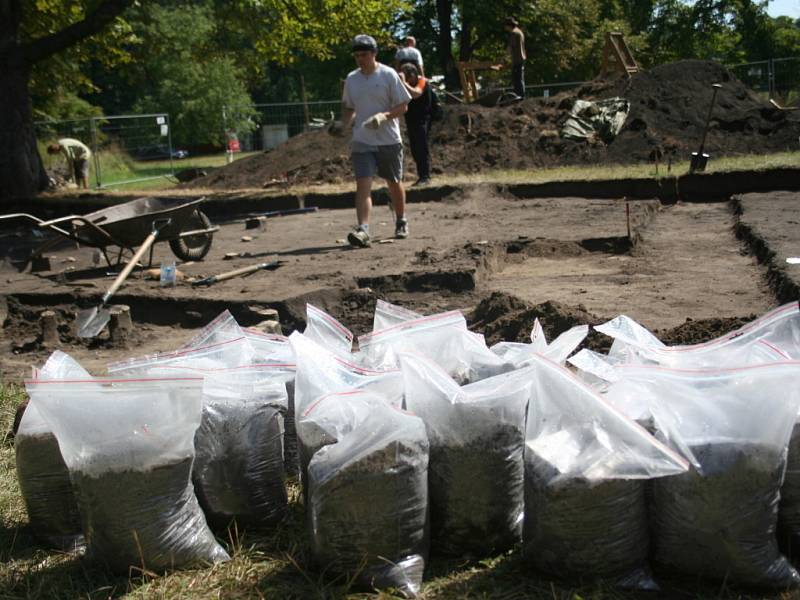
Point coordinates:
[[22, 173], [444, 14]]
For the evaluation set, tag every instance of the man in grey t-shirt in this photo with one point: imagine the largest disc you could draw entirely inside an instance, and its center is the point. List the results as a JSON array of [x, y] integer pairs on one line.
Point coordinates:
[[373, 100], [409, 54]]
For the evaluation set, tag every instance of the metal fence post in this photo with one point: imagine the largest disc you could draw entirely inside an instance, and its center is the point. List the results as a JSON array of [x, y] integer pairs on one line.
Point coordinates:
[[95, 152]]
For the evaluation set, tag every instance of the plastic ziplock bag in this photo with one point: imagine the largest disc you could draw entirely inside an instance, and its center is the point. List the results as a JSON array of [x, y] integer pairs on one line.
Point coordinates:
[[320, 372], [443, 338], [238, 473], [586, 466], [222, 329], [557, 351], [368, 495], [327, 331], [475, 472], [718, 520], [129, 448], [598, 370], [230, 353], [43, 476], [387, 315], [773, 337], [269, 347]]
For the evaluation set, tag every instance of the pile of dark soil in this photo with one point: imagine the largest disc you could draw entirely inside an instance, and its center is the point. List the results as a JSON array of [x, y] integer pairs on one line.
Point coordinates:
[[669, 105]]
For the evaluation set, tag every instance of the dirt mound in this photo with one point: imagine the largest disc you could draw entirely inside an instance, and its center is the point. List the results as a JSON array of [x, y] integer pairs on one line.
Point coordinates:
[[701, 330], [503, 317], [669, 105]]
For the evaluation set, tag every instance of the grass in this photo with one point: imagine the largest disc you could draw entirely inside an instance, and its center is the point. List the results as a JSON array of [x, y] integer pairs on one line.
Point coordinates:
[[273, 566]]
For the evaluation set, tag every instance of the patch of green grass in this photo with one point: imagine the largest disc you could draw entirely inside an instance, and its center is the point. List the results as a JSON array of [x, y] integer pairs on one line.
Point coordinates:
[[274, 565]]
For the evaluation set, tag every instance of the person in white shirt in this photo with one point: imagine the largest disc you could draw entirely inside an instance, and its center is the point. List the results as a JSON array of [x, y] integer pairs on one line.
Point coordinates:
[[77, 155], [409, 54], [373, 100]]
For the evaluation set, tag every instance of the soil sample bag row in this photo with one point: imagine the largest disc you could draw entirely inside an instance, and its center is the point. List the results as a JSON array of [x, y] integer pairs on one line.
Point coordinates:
[[43, 476], [586, 466], [238, 472], [772, 337], [475, 473], [368, 495], [719, 520], [443, 338], [128, 445]]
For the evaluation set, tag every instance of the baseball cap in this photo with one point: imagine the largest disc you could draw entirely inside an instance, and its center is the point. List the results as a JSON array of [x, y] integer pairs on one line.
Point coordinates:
[[364, 42]]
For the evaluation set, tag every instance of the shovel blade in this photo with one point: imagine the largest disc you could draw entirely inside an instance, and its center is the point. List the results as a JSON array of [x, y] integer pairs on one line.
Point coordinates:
[[90, 322]]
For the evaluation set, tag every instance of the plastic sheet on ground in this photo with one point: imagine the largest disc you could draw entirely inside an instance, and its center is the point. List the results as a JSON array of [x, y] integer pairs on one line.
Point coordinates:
[[719, 519], [601, 119], [475, 473], [368, 493], [129, 448], [585, 471]]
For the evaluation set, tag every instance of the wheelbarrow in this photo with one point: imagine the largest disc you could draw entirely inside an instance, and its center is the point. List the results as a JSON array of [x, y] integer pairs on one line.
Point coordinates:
[[189, 232]]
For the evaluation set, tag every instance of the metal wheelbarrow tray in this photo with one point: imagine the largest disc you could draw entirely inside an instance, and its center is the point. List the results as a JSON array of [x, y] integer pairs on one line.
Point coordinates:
[[189, 231]]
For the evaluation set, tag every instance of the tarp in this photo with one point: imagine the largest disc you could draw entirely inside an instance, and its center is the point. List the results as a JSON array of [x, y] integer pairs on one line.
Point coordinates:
[[602, 119]]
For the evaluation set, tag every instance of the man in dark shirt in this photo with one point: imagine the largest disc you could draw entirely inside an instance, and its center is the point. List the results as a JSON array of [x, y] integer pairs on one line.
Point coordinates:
[[516, 48], [418, 120]]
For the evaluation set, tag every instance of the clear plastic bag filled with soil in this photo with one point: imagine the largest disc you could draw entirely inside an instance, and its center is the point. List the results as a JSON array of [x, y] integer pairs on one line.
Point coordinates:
[[475, 473], [719, 520], [368, 500], [789, 509], [41, 471], [586, 466], [128, 445], [238, 472], [720, 523]]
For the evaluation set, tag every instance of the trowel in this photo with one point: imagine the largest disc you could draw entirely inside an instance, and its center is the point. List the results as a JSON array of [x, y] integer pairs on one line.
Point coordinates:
[[700, 159]]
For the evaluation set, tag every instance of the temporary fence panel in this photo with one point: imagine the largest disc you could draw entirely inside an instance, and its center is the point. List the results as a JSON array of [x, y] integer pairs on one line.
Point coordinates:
[[125, 148]]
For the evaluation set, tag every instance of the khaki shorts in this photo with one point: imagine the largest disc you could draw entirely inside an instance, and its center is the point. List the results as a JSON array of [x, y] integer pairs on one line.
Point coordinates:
[[81, 168], [385, 161]]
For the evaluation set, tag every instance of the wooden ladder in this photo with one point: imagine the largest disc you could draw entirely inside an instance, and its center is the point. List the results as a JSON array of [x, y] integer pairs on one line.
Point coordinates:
[[617, 56]]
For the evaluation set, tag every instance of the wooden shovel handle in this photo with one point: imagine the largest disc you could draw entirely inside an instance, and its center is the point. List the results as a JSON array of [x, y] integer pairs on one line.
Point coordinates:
[[237, 272], [149, 240]]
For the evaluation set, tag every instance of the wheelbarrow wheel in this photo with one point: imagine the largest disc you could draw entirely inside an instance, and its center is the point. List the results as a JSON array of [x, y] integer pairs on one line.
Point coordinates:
[[194, 247]]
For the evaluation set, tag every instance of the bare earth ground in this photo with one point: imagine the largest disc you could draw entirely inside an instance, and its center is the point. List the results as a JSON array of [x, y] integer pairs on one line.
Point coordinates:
[[569, 257]]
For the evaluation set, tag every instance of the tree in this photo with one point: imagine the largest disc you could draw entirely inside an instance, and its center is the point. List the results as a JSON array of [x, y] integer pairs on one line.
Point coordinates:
[[21, 171]]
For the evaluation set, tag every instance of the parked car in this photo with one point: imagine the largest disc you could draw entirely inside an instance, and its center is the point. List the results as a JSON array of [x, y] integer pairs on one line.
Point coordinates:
[[160, 153]]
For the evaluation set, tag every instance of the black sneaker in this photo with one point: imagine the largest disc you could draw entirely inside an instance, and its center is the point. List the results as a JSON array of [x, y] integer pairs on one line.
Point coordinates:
[[401, 229], [358, 238], [421, 181]]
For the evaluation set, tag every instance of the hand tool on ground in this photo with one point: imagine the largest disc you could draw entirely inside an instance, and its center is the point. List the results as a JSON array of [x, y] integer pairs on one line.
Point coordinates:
[[91, 321], [779, 107], [700, 159], [269, 266]]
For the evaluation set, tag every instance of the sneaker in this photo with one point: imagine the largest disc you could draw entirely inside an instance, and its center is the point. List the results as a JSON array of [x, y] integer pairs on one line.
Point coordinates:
[[401, 229], [421, 181], [358, 238]]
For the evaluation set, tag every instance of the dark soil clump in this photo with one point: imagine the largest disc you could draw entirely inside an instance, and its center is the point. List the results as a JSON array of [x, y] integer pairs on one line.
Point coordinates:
[[145, 519], [669, 104], [238, 472], [721, 524], [701, 330], [47, 491]]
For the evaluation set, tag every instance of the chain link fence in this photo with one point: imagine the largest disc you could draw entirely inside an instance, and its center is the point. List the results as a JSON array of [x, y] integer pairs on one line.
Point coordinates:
[[125, 148], [777, 78]]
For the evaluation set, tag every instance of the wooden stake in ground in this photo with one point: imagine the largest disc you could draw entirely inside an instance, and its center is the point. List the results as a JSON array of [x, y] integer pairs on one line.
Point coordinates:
[[49, 324], [120, 325]]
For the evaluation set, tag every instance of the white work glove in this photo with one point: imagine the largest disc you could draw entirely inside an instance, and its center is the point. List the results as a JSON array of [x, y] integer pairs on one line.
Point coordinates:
[[376, 120]]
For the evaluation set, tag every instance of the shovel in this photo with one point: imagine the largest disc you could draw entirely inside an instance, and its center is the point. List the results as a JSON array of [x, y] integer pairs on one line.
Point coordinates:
[[700, 159], [92, 320], [269, 266]]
